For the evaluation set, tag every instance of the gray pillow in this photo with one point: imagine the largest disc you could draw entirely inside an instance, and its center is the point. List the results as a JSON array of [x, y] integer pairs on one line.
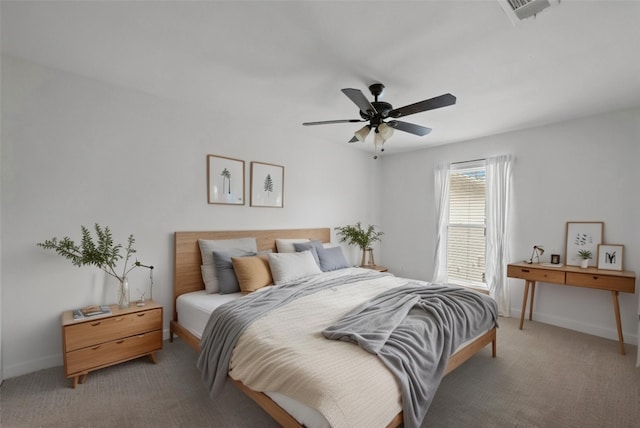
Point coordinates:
[[313, 246], [332, 259], [227, 281]]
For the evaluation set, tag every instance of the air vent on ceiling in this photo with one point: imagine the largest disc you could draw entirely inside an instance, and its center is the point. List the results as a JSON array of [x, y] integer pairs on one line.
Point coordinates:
[[518, 10]]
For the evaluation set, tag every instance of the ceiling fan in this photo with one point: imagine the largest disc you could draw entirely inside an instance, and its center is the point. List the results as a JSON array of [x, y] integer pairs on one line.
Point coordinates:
[[376, 112]]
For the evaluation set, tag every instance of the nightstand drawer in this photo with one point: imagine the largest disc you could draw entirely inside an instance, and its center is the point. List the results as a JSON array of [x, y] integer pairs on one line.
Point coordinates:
[[535, 274], [106, 354], [604, 282], [106, 329]]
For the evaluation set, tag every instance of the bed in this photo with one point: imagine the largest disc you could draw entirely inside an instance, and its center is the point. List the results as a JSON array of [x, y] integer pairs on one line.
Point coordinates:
[[188, 323]]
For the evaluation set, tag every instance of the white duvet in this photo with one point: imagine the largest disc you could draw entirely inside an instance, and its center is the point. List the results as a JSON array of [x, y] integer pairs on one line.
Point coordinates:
[[285, 352]]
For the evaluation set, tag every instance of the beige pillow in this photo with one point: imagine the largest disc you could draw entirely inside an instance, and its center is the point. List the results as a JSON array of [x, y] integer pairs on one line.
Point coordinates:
[[253, 273]]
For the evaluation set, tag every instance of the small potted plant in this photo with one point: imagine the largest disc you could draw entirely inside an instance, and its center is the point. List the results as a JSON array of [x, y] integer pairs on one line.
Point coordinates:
[[585, 255], [360, 237], [102, 253]]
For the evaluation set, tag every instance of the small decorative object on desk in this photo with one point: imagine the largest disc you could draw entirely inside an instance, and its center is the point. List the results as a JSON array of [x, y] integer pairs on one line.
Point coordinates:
[[141, 300], [102, 253], [537, 252], [585, 255], [555, 259]]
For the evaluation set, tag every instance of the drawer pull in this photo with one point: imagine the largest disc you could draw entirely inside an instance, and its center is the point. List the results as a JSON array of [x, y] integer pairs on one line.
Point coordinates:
[[141, 315], [119, 319], [525, 270], [95, 348], [595, 277], [120, 342], [95, 324]]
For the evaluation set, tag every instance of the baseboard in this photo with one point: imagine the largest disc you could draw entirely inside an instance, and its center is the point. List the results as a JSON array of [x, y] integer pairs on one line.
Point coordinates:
[[25, 367], [630, 337]]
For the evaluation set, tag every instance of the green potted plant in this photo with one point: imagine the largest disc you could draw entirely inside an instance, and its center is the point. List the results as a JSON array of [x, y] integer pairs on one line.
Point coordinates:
[[359, 236], [585, 255], [101, 252]]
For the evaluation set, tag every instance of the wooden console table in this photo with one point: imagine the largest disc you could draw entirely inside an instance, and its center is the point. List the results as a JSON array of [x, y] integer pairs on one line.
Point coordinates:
[[611, 280]]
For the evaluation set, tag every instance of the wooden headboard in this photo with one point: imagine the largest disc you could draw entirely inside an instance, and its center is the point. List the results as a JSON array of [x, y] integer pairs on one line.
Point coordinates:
[[186, 262]]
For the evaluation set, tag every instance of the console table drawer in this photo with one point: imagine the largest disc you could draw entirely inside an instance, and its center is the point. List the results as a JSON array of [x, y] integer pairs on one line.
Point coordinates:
[[604, 282], [106, 329], [534, 274], [117, 351]]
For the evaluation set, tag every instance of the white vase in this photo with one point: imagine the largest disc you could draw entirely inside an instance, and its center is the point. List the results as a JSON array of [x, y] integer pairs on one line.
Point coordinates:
[[123, 293], [584, 263]]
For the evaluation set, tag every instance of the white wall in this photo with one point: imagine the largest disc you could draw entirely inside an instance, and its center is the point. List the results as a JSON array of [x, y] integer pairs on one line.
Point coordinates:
[[76, 151], [580, 170]]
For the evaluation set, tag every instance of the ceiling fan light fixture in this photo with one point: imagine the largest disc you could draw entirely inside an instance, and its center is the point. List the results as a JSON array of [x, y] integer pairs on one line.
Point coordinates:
[[362, 133], [378, 140], [385, 131]]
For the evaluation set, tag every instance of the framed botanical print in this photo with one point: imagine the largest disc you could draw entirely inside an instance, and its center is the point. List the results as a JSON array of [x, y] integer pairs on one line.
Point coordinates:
[[610, 256], [267, 185], [225, 180], [583, 236]]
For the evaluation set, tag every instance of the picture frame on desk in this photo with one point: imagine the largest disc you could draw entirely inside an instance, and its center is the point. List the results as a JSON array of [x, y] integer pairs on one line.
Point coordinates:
[[582, 235], [610, 256]]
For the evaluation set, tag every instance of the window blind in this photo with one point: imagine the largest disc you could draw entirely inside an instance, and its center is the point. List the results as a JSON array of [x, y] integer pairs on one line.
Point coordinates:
[[466, 225]]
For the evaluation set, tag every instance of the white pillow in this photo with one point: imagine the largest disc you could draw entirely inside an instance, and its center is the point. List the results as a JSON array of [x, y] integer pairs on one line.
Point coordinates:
[[286, 245], [287, 267], [208, 246]]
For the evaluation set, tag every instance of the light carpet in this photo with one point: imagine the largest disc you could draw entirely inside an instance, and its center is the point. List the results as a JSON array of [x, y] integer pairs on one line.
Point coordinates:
[[544, 376]]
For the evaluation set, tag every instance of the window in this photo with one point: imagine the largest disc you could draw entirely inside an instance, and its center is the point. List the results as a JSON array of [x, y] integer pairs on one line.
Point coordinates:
[[466, 229]]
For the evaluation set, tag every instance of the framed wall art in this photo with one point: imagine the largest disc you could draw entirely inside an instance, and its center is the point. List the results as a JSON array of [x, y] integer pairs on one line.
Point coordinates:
[[267, 185], [583, 235], [225, 180], [610, 256]]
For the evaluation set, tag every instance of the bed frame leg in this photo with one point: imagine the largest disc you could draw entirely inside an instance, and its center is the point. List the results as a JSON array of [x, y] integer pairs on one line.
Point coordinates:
[[493, 348]]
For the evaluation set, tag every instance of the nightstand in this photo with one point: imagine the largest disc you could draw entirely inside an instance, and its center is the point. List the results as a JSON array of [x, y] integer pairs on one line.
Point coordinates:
[[375, 267], [93, 343]]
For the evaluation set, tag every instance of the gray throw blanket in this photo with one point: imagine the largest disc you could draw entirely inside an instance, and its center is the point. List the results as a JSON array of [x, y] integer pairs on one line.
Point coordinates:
[[230, 320], [414, 329]]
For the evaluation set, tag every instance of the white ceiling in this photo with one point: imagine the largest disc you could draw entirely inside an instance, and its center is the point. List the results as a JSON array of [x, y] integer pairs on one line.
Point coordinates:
[[286, 61]]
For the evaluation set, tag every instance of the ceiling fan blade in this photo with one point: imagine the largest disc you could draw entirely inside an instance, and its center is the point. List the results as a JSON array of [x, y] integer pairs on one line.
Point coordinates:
[[409, 127], [353, 140], [326, 122], [430, 104], [360, 100]]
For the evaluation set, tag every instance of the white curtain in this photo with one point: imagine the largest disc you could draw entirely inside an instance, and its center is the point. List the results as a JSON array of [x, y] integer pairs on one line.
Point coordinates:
[[497, 249], [441, 182]]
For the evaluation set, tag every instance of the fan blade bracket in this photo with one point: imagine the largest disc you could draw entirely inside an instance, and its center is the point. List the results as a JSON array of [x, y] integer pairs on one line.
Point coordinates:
[[430, 104]]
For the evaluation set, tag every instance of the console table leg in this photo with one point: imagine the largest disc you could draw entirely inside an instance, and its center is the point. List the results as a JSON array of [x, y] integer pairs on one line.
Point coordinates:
[[616, 308], [533, 293], [524, 302]]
